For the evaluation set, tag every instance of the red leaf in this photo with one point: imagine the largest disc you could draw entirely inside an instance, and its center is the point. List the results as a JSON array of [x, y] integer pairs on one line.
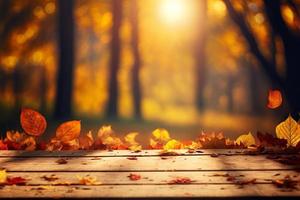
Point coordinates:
[[3, 146], [182, 180], [15, 181], [134, 177]]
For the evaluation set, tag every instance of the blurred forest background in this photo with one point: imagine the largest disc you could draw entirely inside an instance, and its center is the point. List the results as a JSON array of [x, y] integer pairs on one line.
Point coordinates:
[[183, 65]]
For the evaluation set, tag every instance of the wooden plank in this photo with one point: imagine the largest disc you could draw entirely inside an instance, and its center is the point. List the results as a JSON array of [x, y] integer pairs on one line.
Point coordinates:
[[119, 178], [144, 191], [155, 163], [114, 153]]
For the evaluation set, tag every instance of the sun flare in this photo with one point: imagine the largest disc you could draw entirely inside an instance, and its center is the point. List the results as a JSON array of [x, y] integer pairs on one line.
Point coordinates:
[[172, 11]]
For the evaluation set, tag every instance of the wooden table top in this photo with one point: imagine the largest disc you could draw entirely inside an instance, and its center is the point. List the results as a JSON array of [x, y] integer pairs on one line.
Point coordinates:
[[206, 174]]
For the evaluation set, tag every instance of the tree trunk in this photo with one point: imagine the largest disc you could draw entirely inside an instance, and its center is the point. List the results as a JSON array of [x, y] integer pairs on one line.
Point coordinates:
[[200, 72], [64, 87], [136, 85], [112, 109]]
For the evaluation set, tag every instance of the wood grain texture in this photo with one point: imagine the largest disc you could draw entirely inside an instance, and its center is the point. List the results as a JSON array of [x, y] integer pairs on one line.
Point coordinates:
[[209, 174], [154, 163]]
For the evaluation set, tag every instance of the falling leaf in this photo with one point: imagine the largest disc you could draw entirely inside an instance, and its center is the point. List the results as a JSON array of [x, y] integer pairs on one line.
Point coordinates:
[[246, 139], [134, 177], [3, 176], [181, 180], [32, 122], [289, 130], [88, 180], [61, 161], [133, 145], [274, 99], [68, 131]]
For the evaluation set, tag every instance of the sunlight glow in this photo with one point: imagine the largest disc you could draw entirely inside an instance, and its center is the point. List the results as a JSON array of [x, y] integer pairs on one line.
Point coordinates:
[[172, 11]]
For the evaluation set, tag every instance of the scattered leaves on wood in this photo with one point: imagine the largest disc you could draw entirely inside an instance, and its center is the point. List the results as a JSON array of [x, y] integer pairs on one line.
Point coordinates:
[[134, 177]]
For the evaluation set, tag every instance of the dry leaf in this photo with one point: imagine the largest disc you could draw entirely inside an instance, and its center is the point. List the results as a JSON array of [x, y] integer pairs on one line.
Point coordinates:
[[86, 141], [132, 144], [159, 138], [268, 140], [246, 139], [32, 122], [274, 99], [181, 180], [51, 177], [3, 176], [134, 177], [3, 145], [68, 131], [289, 130], [173, 144], [88, 180], [15, 180], [61, 161]]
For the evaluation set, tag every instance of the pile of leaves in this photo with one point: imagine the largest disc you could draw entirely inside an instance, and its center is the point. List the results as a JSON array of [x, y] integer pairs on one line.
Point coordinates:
[[68, 136]]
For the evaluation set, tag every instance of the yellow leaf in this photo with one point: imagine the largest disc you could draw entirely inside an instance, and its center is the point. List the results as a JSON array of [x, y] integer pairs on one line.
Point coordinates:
[[246, 139], [88, 180], [173, 144], [68, 131], [289, 130], [161, 134], [132, 144], [3, 176]]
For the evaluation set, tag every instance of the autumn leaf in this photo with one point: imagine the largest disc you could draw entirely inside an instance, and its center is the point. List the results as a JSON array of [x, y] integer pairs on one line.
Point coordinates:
[[274, 99], [86, 141], [61, 161], [3, 176], [181, 180], [68, 131], [246, 139], [32, 122], [49, 178], [289, 130], [108, 140], [134, 177], [268, 140], [88, 180], [173, 144], [159, 138], [133, 145], [3, 145], [16, 180]]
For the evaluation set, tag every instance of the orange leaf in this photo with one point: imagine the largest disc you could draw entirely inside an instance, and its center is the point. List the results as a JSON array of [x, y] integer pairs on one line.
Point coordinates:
[[33, 122], [68, 131], [274, 99]]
